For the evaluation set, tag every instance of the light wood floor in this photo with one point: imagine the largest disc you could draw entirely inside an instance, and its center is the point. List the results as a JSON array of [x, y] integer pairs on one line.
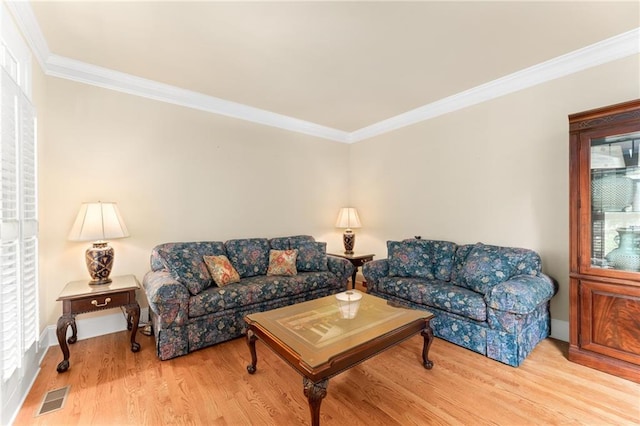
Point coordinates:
[[111, 385]]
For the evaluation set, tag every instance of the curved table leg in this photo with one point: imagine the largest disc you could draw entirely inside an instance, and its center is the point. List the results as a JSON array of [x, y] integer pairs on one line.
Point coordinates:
[[315, 392], [251, 341], [133, 317], [427, 333], [63, 323]]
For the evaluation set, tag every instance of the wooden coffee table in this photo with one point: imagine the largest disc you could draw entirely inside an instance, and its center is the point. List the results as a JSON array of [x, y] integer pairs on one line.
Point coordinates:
[[317, 342]]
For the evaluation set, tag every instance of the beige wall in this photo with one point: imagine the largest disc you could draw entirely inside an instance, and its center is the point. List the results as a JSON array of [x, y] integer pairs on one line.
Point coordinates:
[[178, 174], [495, 172]]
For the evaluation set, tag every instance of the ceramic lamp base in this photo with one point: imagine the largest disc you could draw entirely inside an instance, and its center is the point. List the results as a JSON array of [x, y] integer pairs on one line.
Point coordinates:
[[349, 240], [99, 260]]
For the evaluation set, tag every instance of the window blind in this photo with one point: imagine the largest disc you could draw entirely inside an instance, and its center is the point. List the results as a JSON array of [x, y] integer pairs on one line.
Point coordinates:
[[18, 223]]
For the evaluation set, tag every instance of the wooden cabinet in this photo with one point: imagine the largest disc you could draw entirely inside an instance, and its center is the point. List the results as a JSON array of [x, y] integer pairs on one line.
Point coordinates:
[[605, 239]]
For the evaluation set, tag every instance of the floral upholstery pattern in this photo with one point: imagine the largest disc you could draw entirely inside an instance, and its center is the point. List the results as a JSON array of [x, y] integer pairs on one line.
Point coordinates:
[[279, 243], [312, 256], [410, 258], [496, 301], [249, 256], [282, 262], [437, 294], [442, 254], [259, 289], [184, 322], [185, 262], [286, 243], [485, 266]]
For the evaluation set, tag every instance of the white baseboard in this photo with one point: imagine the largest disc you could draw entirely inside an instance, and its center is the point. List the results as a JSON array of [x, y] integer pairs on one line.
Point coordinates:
[[560, 330], [92, 327]]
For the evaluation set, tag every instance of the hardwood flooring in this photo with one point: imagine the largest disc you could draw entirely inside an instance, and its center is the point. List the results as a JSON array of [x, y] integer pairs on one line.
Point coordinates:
[[110, 385]]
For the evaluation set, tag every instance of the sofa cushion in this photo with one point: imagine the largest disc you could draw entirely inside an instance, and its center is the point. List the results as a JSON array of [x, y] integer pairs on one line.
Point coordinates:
[[258, 290], [282, 262], [221, 270], [411, 258], [186, 264], [485, 267], [312, 255], [444, 253], [249, 256], [286, 243], [437, 294], [279, 243], [442, 257]]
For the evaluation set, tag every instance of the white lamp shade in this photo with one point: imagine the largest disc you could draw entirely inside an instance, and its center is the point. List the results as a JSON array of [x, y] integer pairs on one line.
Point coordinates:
[[348, 218], [97, 222]]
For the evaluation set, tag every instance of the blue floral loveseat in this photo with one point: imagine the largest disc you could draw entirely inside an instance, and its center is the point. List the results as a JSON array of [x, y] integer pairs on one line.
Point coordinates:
[[490, 299], [189, 311]]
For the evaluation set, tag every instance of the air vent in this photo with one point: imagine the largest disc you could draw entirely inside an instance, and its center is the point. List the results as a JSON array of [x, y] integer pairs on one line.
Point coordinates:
[[53, 401]]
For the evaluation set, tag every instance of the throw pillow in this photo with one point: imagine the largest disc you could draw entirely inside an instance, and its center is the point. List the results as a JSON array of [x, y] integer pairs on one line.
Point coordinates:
[[410, 258], [484, 267], [221, 270], [312, 256], [282, 262]]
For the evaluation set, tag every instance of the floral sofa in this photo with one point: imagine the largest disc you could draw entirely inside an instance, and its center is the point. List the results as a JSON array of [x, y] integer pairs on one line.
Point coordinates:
[[194, 304], [490, 299]]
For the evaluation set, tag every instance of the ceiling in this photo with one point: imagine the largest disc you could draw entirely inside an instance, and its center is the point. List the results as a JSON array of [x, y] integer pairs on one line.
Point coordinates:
[[344, 65]]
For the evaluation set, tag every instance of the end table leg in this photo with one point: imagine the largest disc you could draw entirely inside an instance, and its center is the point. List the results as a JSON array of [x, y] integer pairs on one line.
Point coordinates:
[[63, 323], [427, 333], [251, 341], [133, 317], [315, 392]]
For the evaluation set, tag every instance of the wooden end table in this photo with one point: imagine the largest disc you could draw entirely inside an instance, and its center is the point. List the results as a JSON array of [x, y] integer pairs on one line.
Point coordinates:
[[79, 297], [357, 260]]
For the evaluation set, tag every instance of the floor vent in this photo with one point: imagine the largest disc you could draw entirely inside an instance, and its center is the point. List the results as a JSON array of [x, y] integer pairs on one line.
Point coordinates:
[[53, 401]]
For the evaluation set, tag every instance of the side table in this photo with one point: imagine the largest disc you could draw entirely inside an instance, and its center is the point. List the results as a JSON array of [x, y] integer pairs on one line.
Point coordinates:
[[357, 260], [79, 297]]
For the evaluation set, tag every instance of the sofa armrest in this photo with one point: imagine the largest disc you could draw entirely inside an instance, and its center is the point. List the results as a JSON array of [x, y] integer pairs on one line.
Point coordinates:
[[168, 298], [373, 271], [522, 293], [340, 267]]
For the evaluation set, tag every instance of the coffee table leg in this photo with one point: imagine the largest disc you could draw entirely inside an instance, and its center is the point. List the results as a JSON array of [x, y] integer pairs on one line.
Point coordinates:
[[251, 341], [427, 333], [315, 392]]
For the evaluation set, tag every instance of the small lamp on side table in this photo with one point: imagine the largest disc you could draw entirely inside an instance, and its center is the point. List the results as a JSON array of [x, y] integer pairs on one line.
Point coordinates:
[[98, 222], [348, 218]]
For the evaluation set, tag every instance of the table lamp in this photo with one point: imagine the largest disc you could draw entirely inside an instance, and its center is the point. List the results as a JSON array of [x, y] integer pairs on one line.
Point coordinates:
[[348, 218], [98, 222]]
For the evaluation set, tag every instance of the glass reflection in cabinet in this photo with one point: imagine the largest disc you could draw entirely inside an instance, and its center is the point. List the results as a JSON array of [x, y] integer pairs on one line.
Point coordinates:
[[615, 202]]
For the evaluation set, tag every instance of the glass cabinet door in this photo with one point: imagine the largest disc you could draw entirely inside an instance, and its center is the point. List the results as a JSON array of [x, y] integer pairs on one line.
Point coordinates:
[[615, 202]]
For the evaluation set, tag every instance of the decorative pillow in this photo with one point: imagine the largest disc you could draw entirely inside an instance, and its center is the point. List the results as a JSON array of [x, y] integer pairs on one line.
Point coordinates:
[[485, 267], [249, 256], [282, 262], [411, 258], [312, 256], [221, 270]]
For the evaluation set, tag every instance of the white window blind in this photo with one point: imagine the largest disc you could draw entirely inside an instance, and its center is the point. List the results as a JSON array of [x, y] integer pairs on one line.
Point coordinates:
[[18, 219]]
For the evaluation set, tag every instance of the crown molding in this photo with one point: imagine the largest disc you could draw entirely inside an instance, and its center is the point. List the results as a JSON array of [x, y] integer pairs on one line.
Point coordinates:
[[59, 66], [28, 25], [608, 50], [611, 49]]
